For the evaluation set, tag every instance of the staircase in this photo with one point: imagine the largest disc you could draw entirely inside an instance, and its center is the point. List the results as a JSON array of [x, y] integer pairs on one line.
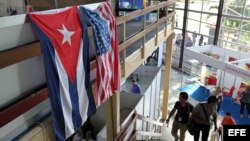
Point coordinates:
[[129, 132]]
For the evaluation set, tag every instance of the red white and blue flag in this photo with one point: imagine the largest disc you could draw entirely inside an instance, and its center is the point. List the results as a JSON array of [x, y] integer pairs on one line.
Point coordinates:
[[65, 47], [107, 52]]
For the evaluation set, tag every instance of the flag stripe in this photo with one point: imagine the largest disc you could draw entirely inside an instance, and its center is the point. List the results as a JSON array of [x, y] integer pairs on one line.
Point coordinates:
[[74, 97], [81, 87], [106, 67], [64, 96], [86, 65]]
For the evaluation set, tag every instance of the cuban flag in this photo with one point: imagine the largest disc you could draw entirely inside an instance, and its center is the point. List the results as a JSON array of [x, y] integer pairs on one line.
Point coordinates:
[[105, 35], [65, 47]]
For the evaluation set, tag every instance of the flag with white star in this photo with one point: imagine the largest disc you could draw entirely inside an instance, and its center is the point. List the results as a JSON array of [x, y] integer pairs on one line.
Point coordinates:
[[64, 43], [107, 51]]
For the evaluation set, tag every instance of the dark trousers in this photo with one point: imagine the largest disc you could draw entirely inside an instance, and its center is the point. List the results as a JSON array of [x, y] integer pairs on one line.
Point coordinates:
[[204, 130], [242, 107]]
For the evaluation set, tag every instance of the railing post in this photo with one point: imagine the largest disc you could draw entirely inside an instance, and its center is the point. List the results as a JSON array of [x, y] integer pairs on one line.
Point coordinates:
[[173, 18], [135, 121], [157, 29], [124, 51], [109, 120], [116, 112], [166, 24], [144, 37], [113, 116], [147, 128]]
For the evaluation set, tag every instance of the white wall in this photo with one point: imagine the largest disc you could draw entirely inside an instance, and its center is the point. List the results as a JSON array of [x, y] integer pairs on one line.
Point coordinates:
[[229, 79], [16, 80], [19, 78]]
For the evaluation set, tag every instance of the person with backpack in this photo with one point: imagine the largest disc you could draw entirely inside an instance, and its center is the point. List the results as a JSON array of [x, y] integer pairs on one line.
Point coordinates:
[[201, 117], [245, 101]]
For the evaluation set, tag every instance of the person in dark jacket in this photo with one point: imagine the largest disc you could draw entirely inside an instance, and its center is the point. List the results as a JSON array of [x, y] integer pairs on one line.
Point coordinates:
[[201, 40], [189, 42], [245, 101]]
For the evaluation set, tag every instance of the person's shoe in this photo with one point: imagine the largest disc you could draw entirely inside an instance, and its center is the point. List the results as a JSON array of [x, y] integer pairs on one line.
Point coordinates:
[[241, 115]]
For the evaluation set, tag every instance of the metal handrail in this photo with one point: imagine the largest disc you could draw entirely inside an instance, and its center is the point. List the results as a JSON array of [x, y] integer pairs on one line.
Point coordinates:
[[127, 134]]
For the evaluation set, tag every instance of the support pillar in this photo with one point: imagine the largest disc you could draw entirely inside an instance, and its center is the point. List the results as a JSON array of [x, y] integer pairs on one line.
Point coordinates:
[[113, 116], [168, 61]]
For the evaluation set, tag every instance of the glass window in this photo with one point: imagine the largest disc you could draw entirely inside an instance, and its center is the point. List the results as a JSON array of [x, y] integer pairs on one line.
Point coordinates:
[[179, 18], [178, 36], [210, 41], [209, 18], [244, 49], [228, 45], [195, 5], [180, 4], [229, 34], [177, 31], [207, 40], [194, 16], [233, 7], [245, 26], [193, 26], [207, 29], [247, 10], [210, 6], [230, 22], [245, 38]]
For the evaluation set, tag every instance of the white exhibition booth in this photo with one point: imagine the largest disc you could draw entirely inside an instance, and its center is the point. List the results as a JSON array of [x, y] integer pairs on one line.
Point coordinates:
[[231, 65]]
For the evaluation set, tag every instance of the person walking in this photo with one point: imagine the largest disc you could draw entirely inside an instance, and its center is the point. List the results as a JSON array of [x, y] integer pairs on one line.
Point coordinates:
[[201, 117], [181, 119], [194, 35], [219, 95], [200, 40], [245, 101], [189, 42], [178, 40], [176, 21]]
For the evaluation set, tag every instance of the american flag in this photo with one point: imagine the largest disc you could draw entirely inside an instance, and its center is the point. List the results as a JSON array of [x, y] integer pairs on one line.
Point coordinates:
[[107, 51]]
